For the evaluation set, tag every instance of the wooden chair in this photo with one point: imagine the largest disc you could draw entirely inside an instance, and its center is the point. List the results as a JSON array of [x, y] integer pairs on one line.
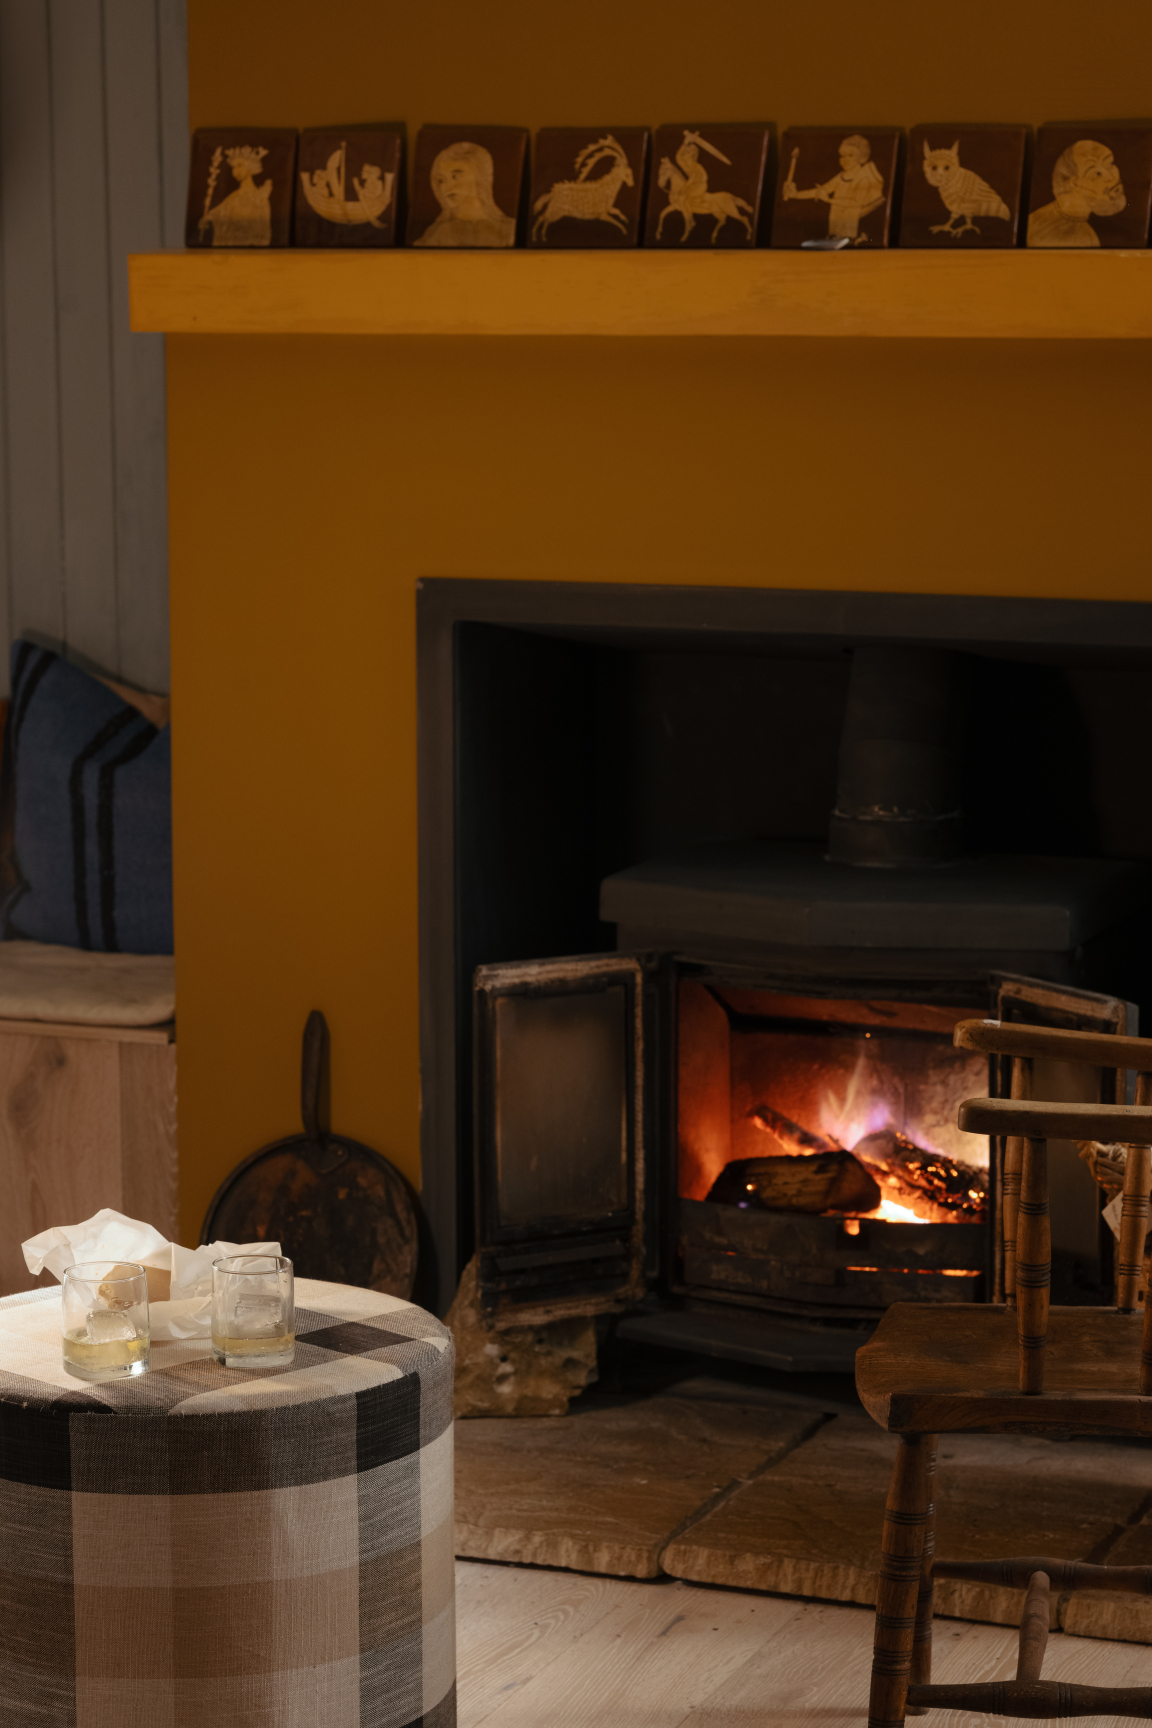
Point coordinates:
[[1017, 1366]]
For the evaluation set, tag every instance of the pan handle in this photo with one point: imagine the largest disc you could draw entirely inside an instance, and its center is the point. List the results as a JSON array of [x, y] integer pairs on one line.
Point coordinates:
[[313, 1067]]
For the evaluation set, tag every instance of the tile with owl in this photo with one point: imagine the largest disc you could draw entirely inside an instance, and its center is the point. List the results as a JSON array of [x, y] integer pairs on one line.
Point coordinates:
[[467, 185], [1091, 184], [706, 185], [587, 186], [348, 186], [835, 186], [964, 185], [240, 187]]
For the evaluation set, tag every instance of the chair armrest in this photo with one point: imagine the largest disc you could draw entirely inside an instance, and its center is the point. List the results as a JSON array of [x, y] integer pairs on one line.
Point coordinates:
[[1009, 1038], [1035, 1120]]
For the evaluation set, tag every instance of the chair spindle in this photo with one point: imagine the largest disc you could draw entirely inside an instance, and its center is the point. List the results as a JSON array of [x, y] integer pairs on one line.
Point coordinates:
[[1021, 1087], [1033, 1265], [1133, 1227], [1062, 1574], [1036, 1699], [1034, 1628]]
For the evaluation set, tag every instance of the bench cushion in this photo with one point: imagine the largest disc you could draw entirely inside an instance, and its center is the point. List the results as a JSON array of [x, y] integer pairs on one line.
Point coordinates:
[[41, 981]]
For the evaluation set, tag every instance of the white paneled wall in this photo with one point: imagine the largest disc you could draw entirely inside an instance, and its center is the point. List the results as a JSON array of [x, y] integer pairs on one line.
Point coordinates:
[[93, 165]]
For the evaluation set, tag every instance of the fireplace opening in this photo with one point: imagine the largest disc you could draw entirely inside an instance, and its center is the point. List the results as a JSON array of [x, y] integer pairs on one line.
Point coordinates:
[[818, 1162], [844, 1109]]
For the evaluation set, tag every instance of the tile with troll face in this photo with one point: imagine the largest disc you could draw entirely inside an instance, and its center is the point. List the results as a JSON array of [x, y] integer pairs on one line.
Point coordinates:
[[1091, 184]]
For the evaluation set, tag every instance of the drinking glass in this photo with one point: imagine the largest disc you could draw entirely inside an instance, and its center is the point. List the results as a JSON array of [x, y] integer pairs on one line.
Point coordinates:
[[253, 1319], [104, 1319]]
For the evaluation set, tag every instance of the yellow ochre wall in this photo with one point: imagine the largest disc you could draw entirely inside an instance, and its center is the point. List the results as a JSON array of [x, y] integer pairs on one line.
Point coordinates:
[[315, 480]]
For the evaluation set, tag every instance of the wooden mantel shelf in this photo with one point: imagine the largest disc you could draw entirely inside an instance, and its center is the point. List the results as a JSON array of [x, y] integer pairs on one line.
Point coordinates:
[[761, 293]]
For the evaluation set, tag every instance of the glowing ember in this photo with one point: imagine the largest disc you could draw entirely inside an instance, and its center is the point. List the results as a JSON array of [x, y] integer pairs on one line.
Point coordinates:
[[894, 1214]]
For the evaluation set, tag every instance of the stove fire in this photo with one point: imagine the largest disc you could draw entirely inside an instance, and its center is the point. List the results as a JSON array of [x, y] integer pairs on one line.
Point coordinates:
[[884, 1175], [821, 1169]]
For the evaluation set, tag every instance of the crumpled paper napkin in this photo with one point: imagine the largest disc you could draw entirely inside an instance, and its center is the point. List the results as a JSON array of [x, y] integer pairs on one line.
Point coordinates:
[[109, 1235]]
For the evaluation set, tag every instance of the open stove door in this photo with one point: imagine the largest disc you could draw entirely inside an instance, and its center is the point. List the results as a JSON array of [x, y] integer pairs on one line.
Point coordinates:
[[560, 1114], [1082, 1244]]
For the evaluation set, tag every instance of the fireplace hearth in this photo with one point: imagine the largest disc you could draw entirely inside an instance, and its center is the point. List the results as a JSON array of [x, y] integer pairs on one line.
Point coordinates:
[[715, 1091]]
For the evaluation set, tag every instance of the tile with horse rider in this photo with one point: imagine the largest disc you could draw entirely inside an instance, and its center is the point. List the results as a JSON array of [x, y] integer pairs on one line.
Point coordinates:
[[240, 187], [467, 186], [835, 186], [706, 184], [587, 186], [349, 186], [964, 185], [1091, 184]]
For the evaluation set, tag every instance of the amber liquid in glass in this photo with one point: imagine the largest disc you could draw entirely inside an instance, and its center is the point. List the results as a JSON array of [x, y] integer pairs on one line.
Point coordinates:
[[273, 1348], [106, 1357]]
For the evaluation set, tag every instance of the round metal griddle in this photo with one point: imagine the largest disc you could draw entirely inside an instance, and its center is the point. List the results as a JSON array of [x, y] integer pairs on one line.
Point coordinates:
[[340, 1211]]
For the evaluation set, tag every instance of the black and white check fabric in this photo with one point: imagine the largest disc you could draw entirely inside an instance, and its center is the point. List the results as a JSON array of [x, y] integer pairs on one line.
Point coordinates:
[[208, 1548]]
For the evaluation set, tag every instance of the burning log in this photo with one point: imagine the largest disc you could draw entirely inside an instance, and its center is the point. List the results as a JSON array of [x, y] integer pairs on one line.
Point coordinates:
[[790, 1134], [833, 1181], [937, 1189]]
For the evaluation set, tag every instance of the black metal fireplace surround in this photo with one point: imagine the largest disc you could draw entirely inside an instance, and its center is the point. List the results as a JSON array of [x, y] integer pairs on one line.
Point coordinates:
[[651, 770]]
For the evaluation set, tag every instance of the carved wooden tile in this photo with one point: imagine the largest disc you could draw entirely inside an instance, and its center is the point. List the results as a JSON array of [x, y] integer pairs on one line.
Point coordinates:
[[587, 186], [349, 184], [467, 185], [1091, 184], [705, 185], [964, 185], [834, 186], [240, 187]]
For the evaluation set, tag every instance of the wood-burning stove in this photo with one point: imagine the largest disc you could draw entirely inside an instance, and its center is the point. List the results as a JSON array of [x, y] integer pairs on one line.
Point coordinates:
[[627, 1104], [877, 939], [797, 1119]]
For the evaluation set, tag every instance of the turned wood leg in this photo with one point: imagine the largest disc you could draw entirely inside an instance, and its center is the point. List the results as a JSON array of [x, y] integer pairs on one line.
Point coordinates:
[[922, 1636], [898, 1586], [1033, 1265]]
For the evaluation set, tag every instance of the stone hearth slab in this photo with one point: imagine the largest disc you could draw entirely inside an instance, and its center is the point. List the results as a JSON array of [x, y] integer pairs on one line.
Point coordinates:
[[811, 1525], [606, 1488]]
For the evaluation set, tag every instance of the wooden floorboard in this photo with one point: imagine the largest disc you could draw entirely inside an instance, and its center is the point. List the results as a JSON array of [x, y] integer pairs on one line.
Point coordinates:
[[545, 1649]]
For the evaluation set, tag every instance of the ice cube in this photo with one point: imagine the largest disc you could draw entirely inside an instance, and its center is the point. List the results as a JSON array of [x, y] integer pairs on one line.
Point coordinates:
[[257, 1316], [106, 1326]]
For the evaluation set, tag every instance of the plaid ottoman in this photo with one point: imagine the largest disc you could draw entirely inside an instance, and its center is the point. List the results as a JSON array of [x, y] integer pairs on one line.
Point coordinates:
[[205, 1548]]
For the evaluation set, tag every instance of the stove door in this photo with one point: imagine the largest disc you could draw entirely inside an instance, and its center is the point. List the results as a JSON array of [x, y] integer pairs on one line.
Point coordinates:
[[1082, 1244], [560, 1135]]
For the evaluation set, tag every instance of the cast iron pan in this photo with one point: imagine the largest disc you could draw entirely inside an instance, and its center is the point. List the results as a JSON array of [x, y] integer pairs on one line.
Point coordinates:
[[340, 1211]]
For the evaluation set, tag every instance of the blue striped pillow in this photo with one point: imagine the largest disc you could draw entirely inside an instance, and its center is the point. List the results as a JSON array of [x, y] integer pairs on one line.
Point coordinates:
[[85, 813]]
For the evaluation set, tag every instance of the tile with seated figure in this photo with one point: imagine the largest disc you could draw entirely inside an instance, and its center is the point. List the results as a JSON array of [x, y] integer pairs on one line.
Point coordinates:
[[1091, 184], [835, 186], [349, 186], [964, 185], [240, 187], [467, 186], [706, 185], [587, 186]]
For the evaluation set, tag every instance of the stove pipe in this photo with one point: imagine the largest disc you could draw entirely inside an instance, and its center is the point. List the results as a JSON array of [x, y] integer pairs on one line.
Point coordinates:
[[897, 794]]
